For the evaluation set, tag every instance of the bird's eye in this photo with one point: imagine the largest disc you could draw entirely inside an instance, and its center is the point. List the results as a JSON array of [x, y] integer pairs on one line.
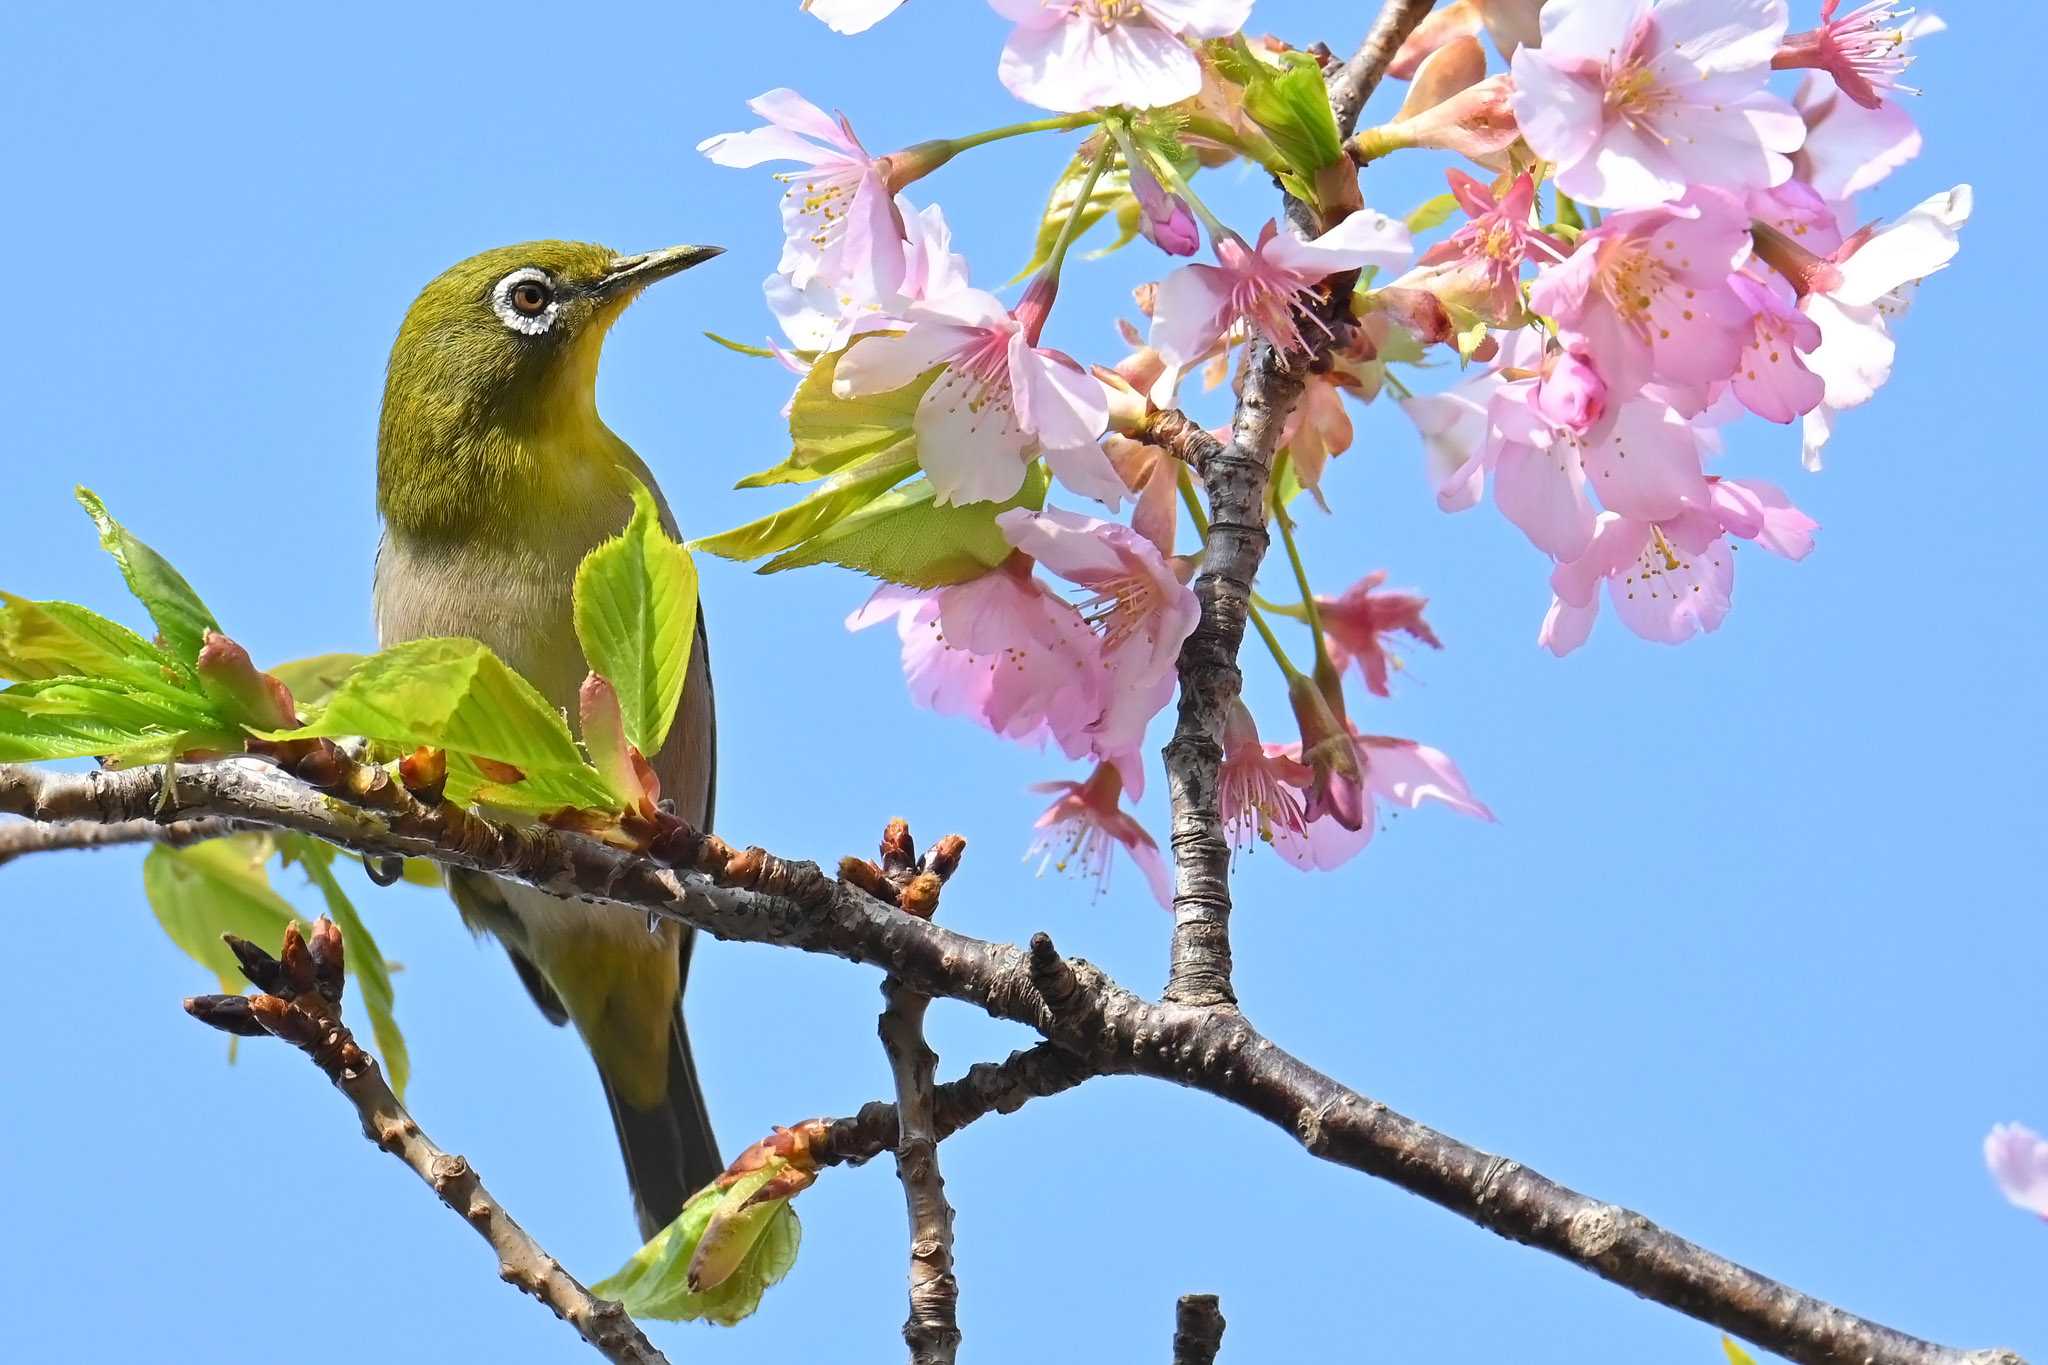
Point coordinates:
[[530, 297], [525, 300]]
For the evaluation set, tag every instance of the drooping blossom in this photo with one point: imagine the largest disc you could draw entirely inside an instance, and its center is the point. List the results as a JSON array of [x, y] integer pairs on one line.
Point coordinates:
[[1394, 770], [1137, 603], [999, 402], [1772, 379], [1000, 650], [1672, 579], [825, 315], [851, 16], [1071, 55], [1864, 50], [1849, 149], [1477, 122], [839, 220], [1646, 293], [1271, 286], [2018, 1159], [1356, 622], [1636, 100], [1085, 825], [1453, 426], [1480, 265], [1258, 790], [1316, 431]]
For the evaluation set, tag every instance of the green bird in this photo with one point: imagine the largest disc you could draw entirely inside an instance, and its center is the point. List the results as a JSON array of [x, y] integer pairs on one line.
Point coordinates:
[[495, 477]]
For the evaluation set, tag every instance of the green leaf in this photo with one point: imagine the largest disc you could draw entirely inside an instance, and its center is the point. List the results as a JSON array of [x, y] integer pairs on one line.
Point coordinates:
[[655, 1282], [1432, 213], [834, 500], [1111, 194], [181, 618], [59, 639], [904, 537], [1291, 103], [313, 680], [210, 889], [67, 717], [456, 695], [762, 352], [1736, 1355], [360, 955], [31, 736], [830, 434], [636, 616]]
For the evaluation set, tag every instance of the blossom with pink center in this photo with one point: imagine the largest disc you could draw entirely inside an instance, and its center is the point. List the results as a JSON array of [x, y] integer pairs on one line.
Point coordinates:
[[1271, 286], [1137, 604], [1480, 265], [1395, 770], [1646, 293], [2018, 1159], [1671, 579], [1636, 100], [1848, 148], [1258, 790], [839, 220], [1772, 379], [1085, 825], [851, 16], [999, 650], [825, 315], [999, 403], [1356, 622], [1071, 55], [1798, 210], [1864, 50]]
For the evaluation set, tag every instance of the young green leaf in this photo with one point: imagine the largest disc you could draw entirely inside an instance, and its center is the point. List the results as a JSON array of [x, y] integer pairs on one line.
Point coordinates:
[[456, 695], [210, 889], [905, 537], [313, 680], [359, 953], [1291, 103], [1112, 194], [181, 618], [636, 616], [755, 1248], [102, 718], [830, 434], [833, 501], [1736, 1355], [1432, 213], [61, 639], [31, 736]]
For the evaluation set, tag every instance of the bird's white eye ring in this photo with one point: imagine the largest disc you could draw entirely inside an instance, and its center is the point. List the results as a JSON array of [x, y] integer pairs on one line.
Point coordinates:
[[525, 301]]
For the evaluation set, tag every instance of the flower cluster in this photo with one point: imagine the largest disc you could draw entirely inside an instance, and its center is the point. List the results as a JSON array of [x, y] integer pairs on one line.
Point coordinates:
[[1653, 234]]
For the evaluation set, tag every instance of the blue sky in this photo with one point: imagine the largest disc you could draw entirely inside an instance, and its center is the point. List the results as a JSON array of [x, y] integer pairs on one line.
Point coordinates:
[[1755, 947]]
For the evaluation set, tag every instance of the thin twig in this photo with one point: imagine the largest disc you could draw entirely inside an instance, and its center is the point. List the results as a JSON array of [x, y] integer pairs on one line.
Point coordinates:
[[1197, 1330], [1352, 86], [985, 1088], [27, 836], [754, 897], [933, 1328]]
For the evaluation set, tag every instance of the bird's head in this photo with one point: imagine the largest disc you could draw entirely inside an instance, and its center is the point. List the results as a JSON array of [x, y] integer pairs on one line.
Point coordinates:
[[494, 372]]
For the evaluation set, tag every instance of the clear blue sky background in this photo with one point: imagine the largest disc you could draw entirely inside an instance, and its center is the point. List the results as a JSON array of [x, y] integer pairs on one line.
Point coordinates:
[[1756, 946]]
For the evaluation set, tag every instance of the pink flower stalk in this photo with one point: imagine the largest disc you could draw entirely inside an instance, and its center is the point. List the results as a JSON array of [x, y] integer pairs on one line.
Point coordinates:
[[1001, 401], [1772, 379], [838, 217], [1271, 286], [1636, 100], [1671, 579], [851, 16], [1086, 824], [1071, 55], [999, 650], [2018, 1158], [1646, 293], [1258, 790], [1395, 770], [1137, 604], [1864, 50], [1356, 622], [1480, 265]]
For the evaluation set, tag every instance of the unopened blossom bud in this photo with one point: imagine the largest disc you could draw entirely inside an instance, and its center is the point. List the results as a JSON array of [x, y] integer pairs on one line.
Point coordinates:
[[227, 676], [1458, 65], [1571, 392], [1165, 218], [1478, 122]]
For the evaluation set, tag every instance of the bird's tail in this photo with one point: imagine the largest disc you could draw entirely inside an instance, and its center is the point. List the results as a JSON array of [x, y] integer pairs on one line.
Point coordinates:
[[670, 1150]]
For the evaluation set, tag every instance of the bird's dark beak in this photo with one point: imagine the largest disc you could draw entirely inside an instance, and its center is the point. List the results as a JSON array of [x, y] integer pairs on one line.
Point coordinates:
[[629, 274]]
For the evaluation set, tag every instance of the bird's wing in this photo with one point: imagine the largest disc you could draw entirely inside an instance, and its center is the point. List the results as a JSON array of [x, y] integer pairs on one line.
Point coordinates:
[[481, 899]]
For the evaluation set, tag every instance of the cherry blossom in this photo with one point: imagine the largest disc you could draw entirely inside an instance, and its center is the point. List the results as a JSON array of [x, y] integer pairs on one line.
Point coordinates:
[[1636, 100], [1258, 789], [1070, 55], [825, 315], [999, 403], [851, 16], [1085, 825], [1453, 425], [1355, 622], [1480, 265], [2018, 1158], [1395, 770], [1864, 50], [1772, 379]]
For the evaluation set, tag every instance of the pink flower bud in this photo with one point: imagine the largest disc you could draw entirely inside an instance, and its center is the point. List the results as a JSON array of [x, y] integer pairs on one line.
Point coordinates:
[[1571, 392]]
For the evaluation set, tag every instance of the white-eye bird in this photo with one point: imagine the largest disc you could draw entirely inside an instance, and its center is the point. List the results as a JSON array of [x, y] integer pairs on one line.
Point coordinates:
[[495, 477]]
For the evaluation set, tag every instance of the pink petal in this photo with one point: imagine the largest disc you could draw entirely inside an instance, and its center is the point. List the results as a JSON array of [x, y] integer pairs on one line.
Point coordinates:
[[969, 441], [1543, 491], [1558, 110], [883, 363], [1364, 238], [1058, 402], [2018, 1159], [1189, 312], [1646, 463]]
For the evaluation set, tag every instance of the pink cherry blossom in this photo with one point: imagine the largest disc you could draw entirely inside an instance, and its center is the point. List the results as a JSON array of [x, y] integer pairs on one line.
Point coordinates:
[[1848, 148], [999, 650], [1453, 425], [1137, 604], [1258, 790], [1395, 770], [999, 403], [2018, 1158], [1671, 579], [825, 315], [1646, 293], [1864, 50], [1480, 265], [1772, 379], [1071, 55], [851, 16], [1271, 286], [1085, 825], [1635, 100], [839, 221], [1356, 621]]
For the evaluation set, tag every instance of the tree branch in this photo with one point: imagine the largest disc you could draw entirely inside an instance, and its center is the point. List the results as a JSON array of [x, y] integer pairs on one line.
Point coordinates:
[[753, 897], [302, 1005], [1353, 85], [933, 1328], [986, 1088], [1197, 1330], [20, 837]]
